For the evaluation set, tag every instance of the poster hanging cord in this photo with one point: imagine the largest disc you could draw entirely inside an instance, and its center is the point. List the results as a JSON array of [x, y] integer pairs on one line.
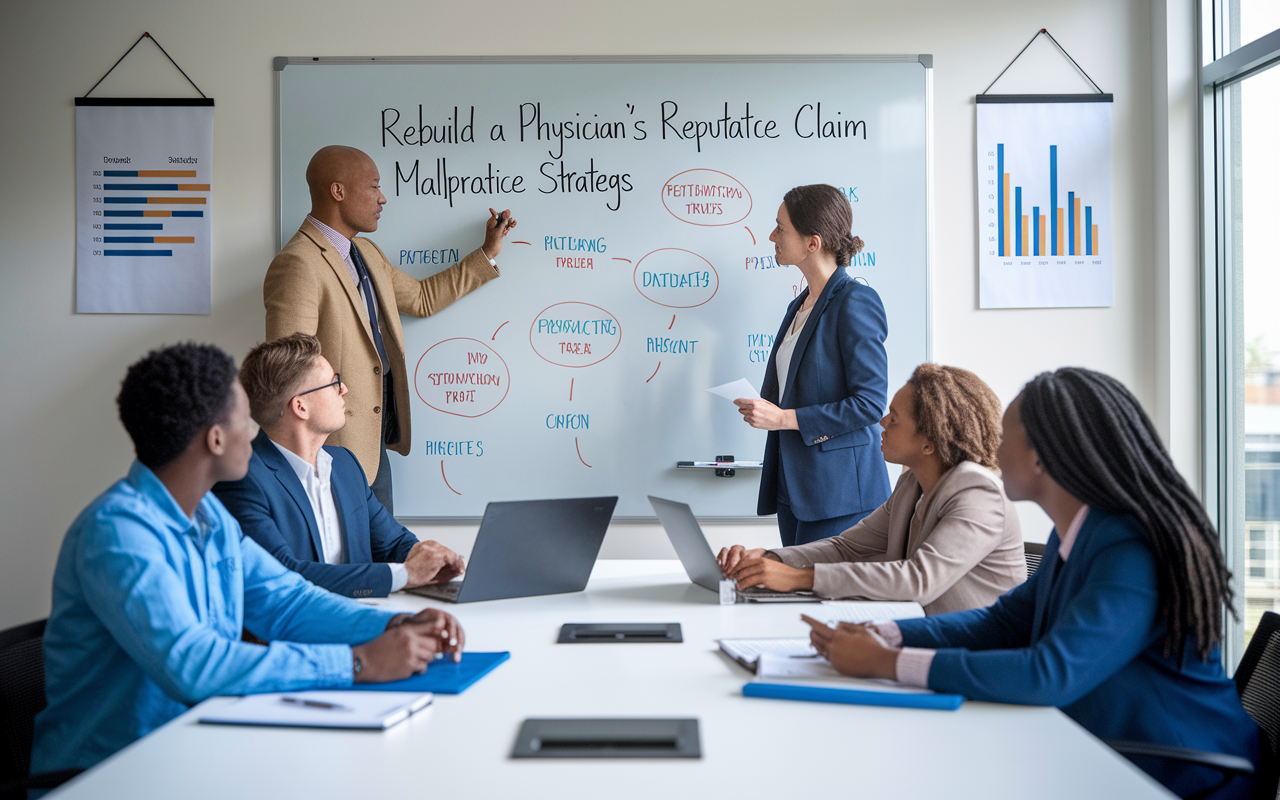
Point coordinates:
[[146, 35], [1044, 31]]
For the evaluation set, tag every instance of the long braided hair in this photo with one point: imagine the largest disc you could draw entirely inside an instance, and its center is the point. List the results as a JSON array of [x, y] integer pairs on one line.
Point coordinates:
[[1096, 442]]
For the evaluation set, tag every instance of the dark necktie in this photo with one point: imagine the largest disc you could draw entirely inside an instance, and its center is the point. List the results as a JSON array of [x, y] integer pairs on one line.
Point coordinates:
[[367, 285], [390, 419]]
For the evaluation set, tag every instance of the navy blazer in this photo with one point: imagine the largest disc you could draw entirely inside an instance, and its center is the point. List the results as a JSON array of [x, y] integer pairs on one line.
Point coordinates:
[[272, 508], [1084, 635], [838, 386]]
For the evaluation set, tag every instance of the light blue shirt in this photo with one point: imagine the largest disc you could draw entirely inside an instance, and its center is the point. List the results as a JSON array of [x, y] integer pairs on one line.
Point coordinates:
[[148, 607]]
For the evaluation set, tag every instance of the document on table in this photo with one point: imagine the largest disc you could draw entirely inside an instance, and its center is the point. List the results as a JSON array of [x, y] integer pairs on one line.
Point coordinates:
[[321, 709], [747, 651], [866, 611], [818, 670], [739, 388]]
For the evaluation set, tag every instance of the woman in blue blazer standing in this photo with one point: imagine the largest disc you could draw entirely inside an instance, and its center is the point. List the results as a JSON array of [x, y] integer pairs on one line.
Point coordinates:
[[826, 382], [1121, 625]]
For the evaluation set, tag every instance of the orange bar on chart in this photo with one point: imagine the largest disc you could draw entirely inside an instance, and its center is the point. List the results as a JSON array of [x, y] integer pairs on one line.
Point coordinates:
[[1008, 229], [173, 240], [1095, 241], [1079, 228], [1026, 235], [1062, 231], [193, 187], [166, 173], [172, 200], [1043, 237]]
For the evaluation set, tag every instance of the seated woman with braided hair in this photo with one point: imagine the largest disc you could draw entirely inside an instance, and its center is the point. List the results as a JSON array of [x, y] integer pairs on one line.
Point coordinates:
[[946, 538], [1120, 627]]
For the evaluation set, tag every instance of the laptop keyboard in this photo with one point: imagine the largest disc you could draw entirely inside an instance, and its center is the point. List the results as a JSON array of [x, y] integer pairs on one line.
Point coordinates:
[[448, 591]]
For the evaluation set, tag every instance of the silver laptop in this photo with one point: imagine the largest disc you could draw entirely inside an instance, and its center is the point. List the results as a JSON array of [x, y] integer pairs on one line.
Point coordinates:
[[529, 548], [700, 563]]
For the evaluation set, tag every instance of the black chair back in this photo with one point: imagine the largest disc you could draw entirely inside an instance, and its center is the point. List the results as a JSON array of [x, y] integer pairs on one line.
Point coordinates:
[[1258, 681], [21, 696], [1033, 553]]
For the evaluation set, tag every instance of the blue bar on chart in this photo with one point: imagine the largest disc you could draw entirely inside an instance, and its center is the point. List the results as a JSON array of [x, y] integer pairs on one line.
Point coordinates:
[[1053, 197], [1000, 191], [1088, 230], [1035, 223], [133, 226], [123, 213], [137, 252], [150, 239], [1071, 223], [1017, 221]]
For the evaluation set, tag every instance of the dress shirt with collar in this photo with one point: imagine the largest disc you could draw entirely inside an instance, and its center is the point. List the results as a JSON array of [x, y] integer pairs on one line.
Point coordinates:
[[317, 482], [343, 245], [914, 662], [148, 607]]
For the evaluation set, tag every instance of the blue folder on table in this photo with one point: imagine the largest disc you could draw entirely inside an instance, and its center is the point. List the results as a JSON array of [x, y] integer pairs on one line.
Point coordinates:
[[443, 676], [861, 697]]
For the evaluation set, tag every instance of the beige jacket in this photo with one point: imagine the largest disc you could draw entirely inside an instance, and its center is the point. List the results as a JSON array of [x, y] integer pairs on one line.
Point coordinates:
[[960, 547], [309, 289]]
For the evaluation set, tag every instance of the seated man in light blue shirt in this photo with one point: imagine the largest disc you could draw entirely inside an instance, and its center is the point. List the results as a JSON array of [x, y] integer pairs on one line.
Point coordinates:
[[309, 504], [155, 580]]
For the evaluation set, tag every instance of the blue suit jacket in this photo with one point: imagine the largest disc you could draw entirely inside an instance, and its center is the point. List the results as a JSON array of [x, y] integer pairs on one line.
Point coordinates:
[[1084, 635], [272, 507], [838, 387]]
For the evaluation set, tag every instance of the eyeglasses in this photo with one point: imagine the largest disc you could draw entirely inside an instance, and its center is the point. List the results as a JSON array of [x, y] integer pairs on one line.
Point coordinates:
[[337, 381]]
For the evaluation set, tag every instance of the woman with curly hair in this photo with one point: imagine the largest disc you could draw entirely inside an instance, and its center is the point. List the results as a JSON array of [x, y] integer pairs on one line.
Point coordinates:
[[947, 537], [1120, 627]]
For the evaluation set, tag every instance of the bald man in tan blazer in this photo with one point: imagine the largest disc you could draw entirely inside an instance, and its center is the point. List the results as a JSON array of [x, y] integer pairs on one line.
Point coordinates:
[[314, 286]]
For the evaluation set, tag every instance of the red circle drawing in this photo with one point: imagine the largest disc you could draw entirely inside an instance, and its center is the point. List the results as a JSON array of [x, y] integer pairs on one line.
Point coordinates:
[[636, 272], [505, 369], [735, 220], [533, 325]]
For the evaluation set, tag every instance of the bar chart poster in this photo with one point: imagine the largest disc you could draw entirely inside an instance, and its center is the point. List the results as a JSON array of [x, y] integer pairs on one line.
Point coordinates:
[[1044, 202], [144, 171]]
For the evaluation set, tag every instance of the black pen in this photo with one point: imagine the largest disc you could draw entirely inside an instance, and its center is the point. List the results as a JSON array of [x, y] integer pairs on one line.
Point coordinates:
[[314, 704]]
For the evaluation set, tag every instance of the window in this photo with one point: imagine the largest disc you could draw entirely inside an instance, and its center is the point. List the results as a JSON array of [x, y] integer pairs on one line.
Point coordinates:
[[1242, 300]]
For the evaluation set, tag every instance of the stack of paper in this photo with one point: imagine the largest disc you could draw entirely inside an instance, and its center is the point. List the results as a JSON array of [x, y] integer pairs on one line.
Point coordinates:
[[747, 651], [833, 611]]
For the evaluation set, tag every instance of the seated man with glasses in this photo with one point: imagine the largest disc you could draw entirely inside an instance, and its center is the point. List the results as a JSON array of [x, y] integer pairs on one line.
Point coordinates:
[[310, 505], [155, 582]]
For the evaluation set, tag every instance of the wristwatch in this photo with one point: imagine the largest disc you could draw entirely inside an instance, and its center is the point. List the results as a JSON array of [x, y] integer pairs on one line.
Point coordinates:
[[356, 664]]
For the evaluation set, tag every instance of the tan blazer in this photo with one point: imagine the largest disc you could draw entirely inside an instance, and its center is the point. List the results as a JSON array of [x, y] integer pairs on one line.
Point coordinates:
[[959, 548], [309, 289]]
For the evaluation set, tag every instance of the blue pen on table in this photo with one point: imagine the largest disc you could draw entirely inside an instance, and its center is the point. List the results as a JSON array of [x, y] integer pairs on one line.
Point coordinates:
[[299, 701]]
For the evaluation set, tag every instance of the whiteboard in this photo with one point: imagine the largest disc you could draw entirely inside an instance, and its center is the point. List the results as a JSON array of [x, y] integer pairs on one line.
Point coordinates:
[[640, 273]]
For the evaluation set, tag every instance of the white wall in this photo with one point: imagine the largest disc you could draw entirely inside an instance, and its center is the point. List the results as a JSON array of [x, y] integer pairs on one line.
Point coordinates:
[[61, 442]]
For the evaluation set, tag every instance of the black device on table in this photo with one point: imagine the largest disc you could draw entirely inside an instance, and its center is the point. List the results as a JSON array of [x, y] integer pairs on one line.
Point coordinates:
[[530, 547]]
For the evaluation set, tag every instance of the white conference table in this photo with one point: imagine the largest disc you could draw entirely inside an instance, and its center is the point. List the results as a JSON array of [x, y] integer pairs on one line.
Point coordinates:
[[751, 747]]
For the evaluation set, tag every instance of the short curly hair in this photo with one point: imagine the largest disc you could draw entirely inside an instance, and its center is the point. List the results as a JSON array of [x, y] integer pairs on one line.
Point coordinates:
[[958, 413], [172, 394]]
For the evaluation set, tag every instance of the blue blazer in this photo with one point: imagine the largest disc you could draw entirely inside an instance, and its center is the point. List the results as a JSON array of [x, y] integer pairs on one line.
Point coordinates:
[[273, 509], [1084, 635], [838, 386]]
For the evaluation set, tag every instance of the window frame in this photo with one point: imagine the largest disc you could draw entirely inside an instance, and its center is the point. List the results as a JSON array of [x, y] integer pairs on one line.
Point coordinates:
[[1222, 72]]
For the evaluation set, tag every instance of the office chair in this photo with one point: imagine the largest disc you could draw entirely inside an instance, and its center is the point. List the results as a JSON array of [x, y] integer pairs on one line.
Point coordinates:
[[21, 698], [1033, 553], [1258, 682]]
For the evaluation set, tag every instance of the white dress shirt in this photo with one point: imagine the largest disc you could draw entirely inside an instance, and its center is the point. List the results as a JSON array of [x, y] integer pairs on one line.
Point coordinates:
[[317, 482], [787, 347]]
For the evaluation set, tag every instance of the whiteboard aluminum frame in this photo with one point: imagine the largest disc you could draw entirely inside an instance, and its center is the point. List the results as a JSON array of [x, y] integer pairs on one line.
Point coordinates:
[[279, 63]]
